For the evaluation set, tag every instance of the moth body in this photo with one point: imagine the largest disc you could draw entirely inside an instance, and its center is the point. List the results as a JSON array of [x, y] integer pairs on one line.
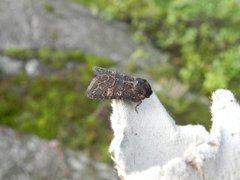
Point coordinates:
[[109, 84]]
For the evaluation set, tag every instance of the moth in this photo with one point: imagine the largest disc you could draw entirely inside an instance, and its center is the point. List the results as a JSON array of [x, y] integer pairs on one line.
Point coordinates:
[[108, 84]]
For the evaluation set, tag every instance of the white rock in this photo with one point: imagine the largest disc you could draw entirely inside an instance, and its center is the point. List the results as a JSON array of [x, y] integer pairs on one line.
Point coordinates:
[[32, 67], [149, 145]]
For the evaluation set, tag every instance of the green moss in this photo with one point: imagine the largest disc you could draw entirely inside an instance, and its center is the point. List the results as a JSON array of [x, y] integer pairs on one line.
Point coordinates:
[[55, 106], [186, 111], [53, 35], [20, 53], [45, 55], [58, 58], [198, 34], [161, 70], [48, 8], [132, 67]]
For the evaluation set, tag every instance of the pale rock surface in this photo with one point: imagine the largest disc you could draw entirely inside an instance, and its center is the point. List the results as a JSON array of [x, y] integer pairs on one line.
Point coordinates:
[[10, 66], [149, 145], [27, 157]]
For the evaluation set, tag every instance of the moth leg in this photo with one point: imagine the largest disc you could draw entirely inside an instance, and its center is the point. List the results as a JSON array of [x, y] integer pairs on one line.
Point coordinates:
[[140, 102]]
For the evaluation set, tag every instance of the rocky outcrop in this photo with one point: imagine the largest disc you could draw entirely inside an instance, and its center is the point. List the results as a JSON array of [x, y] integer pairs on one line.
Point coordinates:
[[148, 144], [28, 157], [64, 25], [9, 66], [27, 23]]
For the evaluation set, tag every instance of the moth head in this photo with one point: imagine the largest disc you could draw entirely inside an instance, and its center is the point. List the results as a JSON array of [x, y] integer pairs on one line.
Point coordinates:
[[143, 88]]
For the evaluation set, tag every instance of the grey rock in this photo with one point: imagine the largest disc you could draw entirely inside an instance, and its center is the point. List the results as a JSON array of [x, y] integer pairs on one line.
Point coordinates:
[[34, 67], [27, 24], [31, 67], [28, 157], [10, 66]]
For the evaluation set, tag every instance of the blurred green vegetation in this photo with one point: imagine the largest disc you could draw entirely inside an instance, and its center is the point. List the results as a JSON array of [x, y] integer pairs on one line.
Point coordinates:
[[48, 8], [55, 58], [55, 105], [201, 38]]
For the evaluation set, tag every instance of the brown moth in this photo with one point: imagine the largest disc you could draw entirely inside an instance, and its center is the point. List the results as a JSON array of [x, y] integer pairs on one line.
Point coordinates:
[[109, 84]]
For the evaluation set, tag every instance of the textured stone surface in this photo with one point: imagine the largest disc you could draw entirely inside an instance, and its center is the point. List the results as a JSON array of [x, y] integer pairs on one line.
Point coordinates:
[[27, 24], [10, 66], [149, 145], [27, 157]]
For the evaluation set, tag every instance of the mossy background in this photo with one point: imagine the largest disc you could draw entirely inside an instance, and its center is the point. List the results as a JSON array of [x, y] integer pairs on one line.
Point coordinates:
[[201, 40], [54, 106]]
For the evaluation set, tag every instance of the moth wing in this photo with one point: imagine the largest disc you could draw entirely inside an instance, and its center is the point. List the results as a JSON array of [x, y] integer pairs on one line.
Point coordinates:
[[101, 87], [92, 89]]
